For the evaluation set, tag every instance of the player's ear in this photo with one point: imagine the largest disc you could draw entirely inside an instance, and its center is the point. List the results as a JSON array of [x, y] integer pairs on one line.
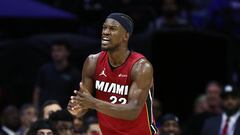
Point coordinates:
[[126, 36]]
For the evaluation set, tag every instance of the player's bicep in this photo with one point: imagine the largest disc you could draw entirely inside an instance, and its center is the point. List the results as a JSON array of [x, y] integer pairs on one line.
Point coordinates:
[[142, 75], [88, 71]]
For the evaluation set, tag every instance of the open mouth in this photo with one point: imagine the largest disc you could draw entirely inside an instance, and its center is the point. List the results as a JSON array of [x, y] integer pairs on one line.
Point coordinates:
[[105, 40]]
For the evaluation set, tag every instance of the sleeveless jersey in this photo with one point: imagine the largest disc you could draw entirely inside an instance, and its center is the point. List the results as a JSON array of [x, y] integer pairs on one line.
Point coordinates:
[[112, 85]]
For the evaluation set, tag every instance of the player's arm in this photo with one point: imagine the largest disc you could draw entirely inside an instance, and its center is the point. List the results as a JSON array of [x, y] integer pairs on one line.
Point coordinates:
[[142, 74], [88, 73]]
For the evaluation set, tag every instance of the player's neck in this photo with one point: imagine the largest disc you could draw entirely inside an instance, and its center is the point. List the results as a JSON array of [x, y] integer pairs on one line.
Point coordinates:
[[117, 58]]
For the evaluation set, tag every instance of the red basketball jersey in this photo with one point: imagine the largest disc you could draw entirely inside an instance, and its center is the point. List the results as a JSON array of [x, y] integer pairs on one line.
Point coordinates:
[[112, 85]]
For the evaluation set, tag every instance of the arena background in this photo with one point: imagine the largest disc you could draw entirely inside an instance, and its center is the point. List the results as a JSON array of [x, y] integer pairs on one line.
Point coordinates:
[[184, 59]]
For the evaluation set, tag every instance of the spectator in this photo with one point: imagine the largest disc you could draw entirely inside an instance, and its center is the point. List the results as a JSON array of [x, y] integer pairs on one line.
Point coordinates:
[[228, 122], [62, 122], [56, 80], [213, 92], [2, 97], [10, 121], [93, 127], [170, 125], [49, 107], [195, 123], [157, 111], [201, 105], [224, 16], [78, 125], [42, 127], [171, 17], [28, 115], [200, 13]]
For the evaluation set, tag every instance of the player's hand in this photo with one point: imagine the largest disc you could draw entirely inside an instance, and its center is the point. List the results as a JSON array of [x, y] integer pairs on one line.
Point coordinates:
[[74, 107], [85, 98]]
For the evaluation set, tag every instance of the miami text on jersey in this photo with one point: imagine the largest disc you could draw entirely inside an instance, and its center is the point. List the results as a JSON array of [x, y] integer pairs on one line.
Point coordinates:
[[111, 87]]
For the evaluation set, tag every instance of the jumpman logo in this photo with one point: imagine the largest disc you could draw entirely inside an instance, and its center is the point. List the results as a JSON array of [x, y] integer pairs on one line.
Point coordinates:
[[103, 73]]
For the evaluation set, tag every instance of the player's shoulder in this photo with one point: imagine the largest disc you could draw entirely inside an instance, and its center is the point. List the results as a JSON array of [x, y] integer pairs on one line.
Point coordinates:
[[143, 62], [142, 66], [93, 57]]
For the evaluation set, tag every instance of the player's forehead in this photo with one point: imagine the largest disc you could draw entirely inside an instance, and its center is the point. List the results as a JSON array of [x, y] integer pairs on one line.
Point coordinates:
[[111, 22]]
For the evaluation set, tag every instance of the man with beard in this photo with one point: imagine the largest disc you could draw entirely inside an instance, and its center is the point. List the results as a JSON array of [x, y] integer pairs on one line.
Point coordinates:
[[227, 123], [122, 80], [10, 121]]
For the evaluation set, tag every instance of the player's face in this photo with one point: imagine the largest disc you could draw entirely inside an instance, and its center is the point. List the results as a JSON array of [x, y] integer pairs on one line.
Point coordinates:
[[112, 34]]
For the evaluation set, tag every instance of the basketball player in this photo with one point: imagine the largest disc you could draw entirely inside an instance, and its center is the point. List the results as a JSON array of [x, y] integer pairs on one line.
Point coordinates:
[[122, 80]]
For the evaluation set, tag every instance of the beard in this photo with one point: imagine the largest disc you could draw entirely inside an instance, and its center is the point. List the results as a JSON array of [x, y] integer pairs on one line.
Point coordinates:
[[230, 111]]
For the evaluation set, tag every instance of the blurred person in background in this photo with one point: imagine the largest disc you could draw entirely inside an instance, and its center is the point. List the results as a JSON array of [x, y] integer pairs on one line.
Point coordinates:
[[170, 18], [48, 108], [93, 127], [194, 125], [199, 13], [225, 17], [2, 97], [228, 122], [200, 104], [42, 127], [63, 122], [10, 121], [28, 115], [157, 111], [56, 80], [78, 125], [213, 91], [170, 125]]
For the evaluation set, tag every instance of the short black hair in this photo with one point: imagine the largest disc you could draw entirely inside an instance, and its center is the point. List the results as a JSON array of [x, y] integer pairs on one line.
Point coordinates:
[[61, 115], [25, 107], [41, 124], [88, 121], [61, 43]]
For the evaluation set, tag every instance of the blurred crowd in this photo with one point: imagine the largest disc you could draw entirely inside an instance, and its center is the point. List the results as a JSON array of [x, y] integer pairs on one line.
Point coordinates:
[[213, 110], [152, 15], [51, 119]]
